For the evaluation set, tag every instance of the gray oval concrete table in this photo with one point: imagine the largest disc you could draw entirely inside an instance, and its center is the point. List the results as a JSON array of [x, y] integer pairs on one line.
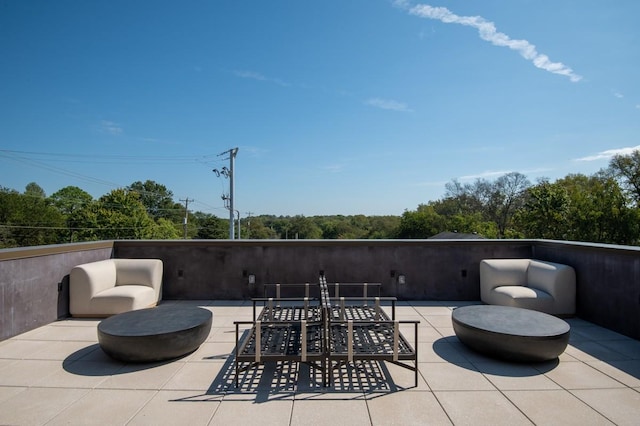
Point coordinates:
[[513, 334], [154, 334]]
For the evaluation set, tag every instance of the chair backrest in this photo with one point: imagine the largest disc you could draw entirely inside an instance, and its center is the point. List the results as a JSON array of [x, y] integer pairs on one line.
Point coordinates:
[[504, 271], [147, 272]]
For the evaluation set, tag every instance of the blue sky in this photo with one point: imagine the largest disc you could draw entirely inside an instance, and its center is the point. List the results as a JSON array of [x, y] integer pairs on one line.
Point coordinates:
[[337, 107]]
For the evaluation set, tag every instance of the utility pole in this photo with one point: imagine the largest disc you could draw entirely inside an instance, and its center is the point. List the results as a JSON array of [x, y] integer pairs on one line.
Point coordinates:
[[229, 173], [239, 237], [186, 216], [248, 224]]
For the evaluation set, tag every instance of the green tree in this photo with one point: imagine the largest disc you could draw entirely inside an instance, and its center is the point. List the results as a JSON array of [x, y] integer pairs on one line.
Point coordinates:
[[425, 222], [599, 210], [303, 228], [74, 204], [496, 201], [210, 227], [158, 200], [255, 229], [164, 229], [546, 212], [337, 227], [382, 227], [28, 219], [280, 225], [87, 227], [460, 215], [626, 168], [508, 198], [463, 198], [121, 215], [9, 206], [34, 190]]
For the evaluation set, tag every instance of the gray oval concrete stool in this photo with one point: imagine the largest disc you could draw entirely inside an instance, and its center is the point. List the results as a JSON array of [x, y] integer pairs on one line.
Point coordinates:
[[513, 334], [154, 334]]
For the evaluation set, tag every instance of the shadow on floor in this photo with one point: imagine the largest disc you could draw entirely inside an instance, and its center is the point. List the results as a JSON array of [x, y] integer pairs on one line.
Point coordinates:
[[93, 361], [451, 350]]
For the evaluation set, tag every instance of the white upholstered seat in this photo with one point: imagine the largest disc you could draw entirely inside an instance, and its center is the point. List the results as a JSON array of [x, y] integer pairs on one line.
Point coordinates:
[[528, 283], [113, 286]]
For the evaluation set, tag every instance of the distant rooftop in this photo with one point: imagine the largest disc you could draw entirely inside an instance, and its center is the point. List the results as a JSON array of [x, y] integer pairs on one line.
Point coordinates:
[[446, 235]]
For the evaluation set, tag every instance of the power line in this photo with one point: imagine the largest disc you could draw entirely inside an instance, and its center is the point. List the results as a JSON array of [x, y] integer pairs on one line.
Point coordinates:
[[60, 170], [110, 158], [22, 157]]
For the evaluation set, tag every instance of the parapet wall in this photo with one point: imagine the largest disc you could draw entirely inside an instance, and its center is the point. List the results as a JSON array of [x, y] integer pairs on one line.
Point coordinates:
[[607, 278], [34, 282], [432, 270]]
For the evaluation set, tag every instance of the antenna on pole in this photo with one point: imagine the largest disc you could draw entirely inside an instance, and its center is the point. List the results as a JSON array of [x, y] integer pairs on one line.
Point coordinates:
[[229, 173]]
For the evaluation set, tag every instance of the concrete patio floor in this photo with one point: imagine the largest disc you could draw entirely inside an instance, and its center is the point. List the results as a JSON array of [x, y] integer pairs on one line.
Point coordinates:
[[57, 374]]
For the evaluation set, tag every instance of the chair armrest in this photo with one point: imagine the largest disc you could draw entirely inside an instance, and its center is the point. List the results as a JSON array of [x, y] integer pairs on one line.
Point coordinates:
[[556, 279], [87, 280]]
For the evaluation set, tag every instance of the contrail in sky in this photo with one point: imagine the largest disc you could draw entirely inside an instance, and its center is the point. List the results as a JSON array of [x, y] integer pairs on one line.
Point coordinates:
[[488, 32]]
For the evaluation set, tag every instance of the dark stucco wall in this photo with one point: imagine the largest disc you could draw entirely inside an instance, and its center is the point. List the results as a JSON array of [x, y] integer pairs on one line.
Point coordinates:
[[608, 277], [608, 282], [434, 269], [34, 283]]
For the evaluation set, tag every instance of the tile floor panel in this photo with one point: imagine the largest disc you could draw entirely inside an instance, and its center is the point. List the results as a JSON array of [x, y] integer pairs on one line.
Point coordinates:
[[618, 405], [338, 412], [403, 408], [57, 374], [176, 407], [481, 408], [37, 405], [578, 375], [455, 377], [626, 372], [555, 407], [104, 406]]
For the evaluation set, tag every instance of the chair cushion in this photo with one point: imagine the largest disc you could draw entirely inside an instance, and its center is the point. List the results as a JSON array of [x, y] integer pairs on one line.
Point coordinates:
[[123, 298], [523, 297]]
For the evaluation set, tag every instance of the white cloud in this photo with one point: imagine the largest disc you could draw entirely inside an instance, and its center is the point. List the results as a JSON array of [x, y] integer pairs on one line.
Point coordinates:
[[609, 154], [253, 75], [389, 104], [334, 167], [488, 32], [617, 94], [487, 174], [250, 74], [111, 127]]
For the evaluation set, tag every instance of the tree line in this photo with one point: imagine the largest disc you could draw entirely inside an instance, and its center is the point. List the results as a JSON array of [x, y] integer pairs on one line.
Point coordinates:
[[603, 207]]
